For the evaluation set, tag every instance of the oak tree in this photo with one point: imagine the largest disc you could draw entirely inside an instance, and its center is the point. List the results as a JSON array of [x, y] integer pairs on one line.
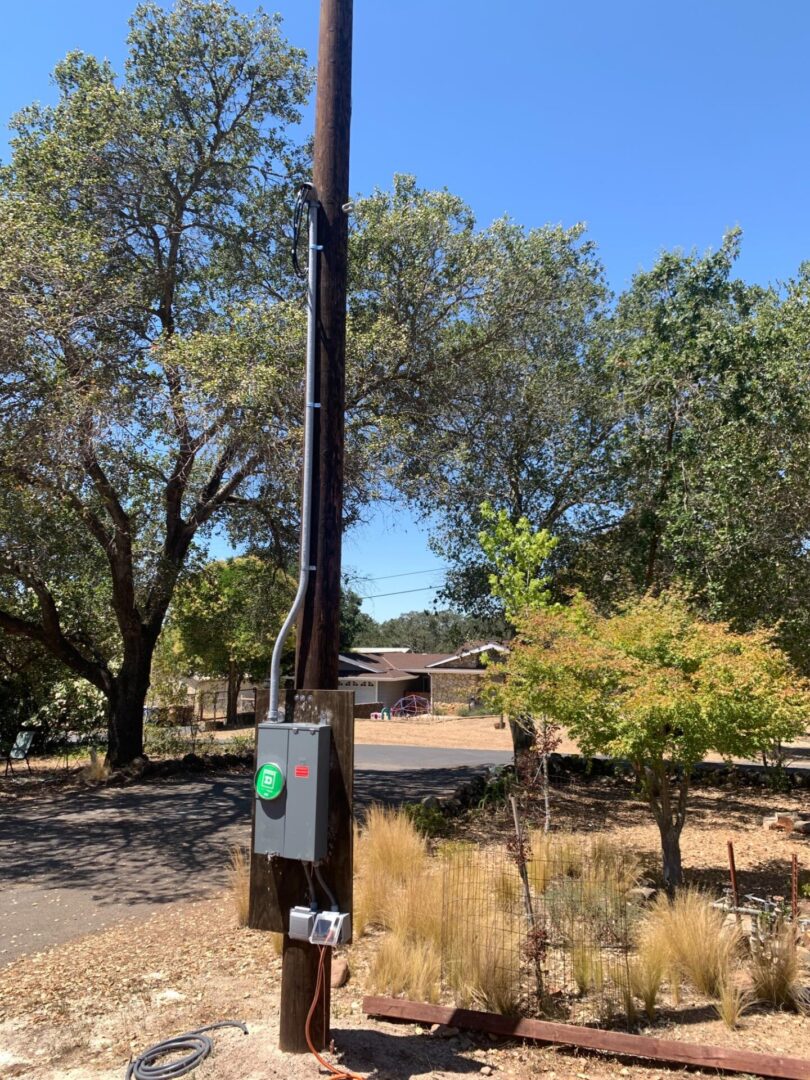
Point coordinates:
[[142, 331]]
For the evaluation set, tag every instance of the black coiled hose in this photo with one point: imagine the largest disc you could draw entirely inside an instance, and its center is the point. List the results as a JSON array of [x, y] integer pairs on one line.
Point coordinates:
[[196, 1043]]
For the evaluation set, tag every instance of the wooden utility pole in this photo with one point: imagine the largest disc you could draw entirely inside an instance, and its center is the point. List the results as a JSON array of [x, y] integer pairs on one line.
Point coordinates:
[[278, 884], [318, 632]]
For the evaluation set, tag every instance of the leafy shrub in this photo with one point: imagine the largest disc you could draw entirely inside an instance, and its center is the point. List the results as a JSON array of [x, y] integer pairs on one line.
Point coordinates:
[[428, 820]]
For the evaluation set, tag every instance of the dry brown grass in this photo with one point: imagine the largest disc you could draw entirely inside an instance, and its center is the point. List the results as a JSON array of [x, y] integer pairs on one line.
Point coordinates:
[[646, 975], [406, 967], [96, 770], [774, 968], [587, 967], [621, 979], [399, 889], [481, 940], [389, 853], [483, 961], [415, 910], [692, 934], [733, 1001], [239, 881], [562, 855]]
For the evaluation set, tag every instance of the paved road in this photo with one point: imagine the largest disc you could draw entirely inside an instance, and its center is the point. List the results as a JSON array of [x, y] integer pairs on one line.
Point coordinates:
[[73, 863]]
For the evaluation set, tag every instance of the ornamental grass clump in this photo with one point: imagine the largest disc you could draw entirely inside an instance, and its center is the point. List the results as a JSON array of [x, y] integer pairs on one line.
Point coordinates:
[[481, 928], [404, 966], [389, 854], [693, 935], [733, 1002], [239, 881], [774, 967]]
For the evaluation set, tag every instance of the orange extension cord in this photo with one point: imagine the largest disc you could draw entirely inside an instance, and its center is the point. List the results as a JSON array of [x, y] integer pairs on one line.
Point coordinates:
[[338, 1074]]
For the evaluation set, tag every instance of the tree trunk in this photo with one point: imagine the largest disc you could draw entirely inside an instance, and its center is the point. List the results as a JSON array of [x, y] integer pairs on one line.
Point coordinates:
[[125, 708], [546, 794], [234, 685], [671, 852], [523, 734]]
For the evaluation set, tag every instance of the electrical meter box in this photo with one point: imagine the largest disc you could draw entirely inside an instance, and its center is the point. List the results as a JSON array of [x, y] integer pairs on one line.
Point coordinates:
[[291, 787]]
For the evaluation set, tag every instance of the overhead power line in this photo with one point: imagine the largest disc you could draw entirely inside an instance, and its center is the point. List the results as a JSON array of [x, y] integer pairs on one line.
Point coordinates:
[[407, 573], [401, 592]]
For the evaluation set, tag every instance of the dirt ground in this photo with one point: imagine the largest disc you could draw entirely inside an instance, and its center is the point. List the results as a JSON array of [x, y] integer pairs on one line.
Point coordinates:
[[78, 1011], [468, 732]]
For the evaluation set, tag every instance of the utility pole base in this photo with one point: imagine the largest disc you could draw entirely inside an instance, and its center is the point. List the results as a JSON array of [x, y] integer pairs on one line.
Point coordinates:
[[299, 973]]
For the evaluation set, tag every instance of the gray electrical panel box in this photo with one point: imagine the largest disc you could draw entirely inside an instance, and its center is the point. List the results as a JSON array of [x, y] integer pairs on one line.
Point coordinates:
[[292, 791]]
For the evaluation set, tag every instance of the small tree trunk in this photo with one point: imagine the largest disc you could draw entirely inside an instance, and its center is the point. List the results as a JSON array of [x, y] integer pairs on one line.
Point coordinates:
[[671, 852], [523, 734], [234, 685], [546, 794]]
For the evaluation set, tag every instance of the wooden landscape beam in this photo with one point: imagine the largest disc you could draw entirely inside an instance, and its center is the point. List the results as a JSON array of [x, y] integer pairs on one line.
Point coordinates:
[[611, 1042]]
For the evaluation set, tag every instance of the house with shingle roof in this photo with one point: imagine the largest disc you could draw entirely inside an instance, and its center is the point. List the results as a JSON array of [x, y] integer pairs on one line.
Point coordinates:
[[380, 677]]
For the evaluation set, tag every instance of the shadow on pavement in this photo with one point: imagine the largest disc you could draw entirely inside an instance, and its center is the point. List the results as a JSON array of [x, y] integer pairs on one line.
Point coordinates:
[[161, 841]]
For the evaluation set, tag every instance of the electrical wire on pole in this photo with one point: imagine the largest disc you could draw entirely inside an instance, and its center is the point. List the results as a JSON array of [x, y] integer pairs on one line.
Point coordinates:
[[305, 974]]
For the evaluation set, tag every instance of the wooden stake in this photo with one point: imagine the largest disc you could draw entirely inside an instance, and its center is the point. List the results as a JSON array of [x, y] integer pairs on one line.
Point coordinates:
[[794, 886], [732, 869]]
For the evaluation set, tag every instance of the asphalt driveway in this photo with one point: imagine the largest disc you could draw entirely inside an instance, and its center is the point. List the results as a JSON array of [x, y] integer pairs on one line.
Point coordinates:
[[71, 863]]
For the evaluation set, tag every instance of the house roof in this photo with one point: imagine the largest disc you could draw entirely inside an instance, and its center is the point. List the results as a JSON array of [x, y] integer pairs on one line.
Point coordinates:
[[490, 646], [360, 662], [457, 671], [381, 651], [369, 676]]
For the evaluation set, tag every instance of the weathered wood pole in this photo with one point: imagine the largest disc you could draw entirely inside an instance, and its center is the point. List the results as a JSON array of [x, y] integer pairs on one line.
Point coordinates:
[[319, 626]]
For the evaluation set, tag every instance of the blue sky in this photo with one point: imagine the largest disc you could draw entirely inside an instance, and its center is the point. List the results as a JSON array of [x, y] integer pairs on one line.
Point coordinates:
[[658, 124]]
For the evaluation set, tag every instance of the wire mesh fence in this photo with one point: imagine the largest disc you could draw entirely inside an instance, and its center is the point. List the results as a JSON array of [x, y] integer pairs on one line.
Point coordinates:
[[539, 928]]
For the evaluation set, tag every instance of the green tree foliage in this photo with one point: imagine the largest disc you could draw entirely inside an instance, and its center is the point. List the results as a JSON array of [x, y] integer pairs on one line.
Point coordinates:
[[37, 692], [710, 473], [227, 617], [495, 384], [355, 624], [660, 687], [145, 392], [429, 631], [518, 555], [679, 360]]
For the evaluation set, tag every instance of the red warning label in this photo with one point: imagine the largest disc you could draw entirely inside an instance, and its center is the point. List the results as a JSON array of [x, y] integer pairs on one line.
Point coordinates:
[[302, 772]]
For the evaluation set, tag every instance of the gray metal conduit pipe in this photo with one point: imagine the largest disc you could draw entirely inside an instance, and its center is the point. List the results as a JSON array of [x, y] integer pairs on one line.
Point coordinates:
[[306, 485]]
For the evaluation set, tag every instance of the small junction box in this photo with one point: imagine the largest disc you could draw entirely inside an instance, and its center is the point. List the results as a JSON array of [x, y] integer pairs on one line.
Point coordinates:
[[291, 788]]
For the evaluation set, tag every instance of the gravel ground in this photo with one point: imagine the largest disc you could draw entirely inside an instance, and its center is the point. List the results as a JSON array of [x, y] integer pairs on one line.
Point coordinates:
[[79, 1010]]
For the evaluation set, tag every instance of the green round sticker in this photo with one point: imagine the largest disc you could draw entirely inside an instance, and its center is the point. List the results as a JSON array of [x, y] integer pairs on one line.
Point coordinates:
[[269, 781]]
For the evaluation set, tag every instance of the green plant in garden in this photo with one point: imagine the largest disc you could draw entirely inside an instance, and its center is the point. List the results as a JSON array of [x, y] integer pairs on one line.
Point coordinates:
[[659, 686], [518, 556], [428, 820]]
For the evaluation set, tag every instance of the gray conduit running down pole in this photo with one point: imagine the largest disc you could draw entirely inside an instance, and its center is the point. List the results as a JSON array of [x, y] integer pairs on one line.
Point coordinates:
[[306, 486]]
